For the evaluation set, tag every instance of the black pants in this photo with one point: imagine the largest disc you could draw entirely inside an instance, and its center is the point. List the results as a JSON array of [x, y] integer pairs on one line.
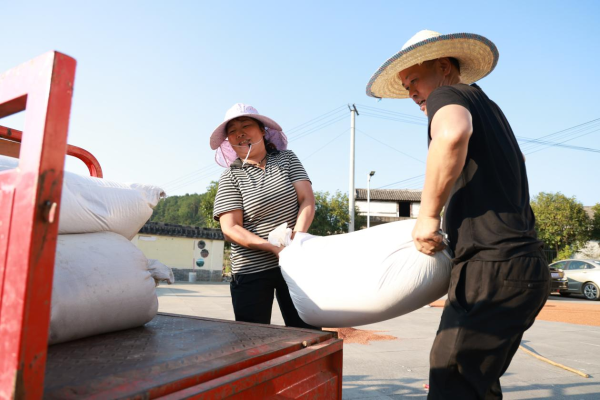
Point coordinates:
[[252, 298], [490, 305]]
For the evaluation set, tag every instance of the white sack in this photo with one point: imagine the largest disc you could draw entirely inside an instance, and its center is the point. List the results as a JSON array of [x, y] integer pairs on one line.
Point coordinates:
[[101, 284], [362, 277], [160, 272], [97, 205]]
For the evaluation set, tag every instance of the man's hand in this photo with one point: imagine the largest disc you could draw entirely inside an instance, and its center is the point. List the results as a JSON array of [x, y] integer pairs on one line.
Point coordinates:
[[427, 237]]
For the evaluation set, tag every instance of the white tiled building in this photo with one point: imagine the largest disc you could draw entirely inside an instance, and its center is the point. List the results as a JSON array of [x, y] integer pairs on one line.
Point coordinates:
[[388, 205]]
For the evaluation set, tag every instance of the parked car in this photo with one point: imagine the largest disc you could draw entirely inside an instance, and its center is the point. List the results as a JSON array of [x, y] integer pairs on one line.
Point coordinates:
[[559, 281], [583, 277]]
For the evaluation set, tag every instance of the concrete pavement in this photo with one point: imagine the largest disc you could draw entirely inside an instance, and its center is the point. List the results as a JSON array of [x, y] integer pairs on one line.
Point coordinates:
[[398, 369]]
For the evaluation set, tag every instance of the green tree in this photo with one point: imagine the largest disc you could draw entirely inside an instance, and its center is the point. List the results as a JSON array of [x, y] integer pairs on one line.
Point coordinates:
[[207, 204], [183, 210], [561, 222], [331, 214], [596, 222]]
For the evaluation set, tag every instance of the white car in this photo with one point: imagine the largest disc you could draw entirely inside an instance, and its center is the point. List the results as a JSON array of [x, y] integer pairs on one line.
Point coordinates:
[[583, 276]]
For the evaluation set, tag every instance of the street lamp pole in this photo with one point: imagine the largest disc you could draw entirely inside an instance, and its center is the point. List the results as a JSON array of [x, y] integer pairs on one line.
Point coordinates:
[[369, 199]]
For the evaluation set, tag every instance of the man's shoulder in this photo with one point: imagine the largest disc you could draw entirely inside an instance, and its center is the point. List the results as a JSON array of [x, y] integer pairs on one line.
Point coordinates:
[[456, 89]]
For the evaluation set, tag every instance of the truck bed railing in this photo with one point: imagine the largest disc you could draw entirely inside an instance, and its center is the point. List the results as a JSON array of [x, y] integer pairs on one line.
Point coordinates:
[[11, 146]]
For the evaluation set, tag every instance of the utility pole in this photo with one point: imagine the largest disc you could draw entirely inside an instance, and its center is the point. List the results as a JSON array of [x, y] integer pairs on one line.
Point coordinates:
[[353, 111]]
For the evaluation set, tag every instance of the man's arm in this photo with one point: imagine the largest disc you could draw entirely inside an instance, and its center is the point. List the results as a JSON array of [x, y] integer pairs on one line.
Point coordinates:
[[232, 225], [306, 201], [451, 129]]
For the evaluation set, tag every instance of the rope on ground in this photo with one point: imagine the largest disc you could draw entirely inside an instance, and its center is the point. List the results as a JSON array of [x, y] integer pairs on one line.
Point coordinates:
[[554, 363]]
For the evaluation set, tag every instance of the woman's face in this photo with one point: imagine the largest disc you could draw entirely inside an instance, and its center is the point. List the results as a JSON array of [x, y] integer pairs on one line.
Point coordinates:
[[243, 131]]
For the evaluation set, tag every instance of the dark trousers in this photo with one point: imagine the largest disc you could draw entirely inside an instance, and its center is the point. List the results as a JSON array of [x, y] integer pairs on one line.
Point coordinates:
[[252, 298], [490, 305]]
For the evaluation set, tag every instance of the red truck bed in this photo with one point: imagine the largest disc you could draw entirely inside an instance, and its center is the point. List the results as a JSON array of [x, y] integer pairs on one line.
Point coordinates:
[[173, 356], [190, 357]]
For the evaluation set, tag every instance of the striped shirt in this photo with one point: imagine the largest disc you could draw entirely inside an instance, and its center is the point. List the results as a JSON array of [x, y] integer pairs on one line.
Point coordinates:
[[266, 197]]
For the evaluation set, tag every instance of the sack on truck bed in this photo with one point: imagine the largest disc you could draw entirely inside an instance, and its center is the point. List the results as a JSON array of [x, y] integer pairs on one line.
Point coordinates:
[[101, 284], [362, 277], [98, 205]]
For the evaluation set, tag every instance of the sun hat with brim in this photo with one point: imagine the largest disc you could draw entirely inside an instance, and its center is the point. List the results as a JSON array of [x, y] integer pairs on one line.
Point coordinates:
[[225, 154], [476, 55]]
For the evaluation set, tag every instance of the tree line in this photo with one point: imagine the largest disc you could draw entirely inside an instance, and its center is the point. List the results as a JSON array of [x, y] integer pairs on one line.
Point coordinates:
[[331, 211]]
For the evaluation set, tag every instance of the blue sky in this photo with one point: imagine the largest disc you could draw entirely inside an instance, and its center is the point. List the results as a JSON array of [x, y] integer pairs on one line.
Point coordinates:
[[154, 79]]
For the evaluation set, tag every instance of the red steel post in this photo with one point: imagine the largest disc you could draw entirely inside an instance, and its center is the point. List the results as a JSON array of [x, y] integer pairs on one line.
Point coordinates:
[[29, 199]]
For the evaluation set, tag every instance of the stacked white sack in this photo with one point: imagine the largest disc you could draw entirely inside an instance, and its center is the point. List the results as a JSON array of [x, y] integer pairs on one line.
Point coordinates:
[[97, 205], [362, 277], [101, 284]]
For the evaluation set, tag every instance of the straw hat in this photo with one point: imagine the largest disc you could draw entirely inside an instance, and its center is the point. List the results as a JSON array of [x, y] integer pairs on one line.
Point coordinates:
[[476, 55], [225, 154]]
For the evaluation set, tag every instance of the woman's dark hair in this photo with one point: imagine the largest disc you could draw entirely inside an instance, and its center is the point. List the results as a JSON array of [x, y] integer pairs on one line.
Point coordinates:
[[268, 145]]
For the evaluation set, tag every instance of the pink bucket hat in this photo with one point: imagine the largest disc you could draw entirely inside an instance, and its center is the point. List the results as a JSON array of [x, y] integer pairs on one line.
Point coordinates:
[[225, 154]]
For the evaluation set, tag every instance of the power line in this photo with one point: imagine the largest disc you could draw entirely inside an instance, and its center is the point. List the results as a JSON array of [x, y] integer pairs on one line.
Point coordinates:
[[327, 144], [387, 145], [209, 173], [314, 120], [319, 127], [389, 118], [394, 113], [402, 181], [544, 142], [171, 182]]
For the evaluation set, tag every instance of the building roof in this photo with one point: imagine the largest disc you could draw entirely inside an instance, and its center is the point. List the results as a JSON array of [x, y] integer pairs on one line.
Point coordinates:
[[389, 194], [163, 229]]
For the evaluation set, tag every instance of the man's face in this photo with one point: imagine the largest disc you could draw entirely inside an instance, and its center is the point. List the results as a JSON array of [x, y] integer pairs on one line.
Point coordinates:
[[421, 80]]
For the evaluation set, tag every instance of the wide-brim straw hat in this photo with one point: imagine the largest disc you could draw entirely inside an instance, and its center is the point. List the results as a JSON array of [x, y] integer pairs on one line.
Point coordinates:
[[225, 154], [476, 55]]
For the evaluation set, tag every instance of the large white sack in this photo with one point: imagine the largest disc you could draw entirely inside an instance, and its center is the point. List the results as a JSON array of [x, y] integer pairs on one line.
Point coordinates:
[[101, 284], [97, 205], [362, 277]]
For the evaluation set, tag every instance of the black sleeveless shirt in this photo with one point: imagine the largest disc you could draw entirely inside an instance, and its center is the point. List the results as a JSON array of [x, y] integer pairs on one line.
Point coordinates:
[[488, 216]]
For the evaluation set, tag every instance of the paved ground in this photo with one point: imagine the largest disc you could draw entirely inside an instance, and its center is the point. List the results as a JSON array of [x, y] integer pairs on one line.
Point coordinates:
[[398, 369]]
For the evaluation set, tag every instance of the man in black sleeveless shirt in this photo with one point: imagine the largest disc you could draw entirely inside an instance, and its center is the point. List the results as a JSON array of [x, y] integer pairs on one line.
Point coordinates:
[[476, 173]]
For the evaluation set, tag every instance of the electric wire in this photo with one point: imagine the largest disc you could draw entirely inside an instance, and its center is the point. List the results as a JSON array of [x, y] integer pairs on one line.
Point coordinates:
[[393, 113], [402, 181], [387, 145], [544, 142], [325, 145], [319, 127], [292, 131]]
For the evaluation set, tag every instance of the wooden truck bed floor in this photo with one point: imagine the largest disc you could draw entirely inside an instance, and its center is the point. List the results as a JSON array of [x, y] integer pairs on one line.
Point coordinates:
[[196, 357]]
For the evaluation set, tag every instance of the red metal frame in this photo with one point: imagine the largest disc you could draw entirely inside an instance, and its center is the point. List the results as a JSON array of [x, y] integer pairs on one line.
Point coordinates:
[[29, 198], [88, 158]]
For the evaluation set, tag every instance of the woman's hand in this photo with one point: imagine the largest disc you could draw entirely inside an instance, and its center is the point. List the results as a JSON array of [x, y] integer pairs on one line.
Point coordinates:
[[276, 250]]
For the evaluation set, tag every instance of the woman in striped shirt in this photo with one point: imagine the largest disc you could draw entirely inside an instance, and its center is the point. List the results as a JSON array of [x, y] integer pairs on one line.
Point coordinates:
[[263, 186]]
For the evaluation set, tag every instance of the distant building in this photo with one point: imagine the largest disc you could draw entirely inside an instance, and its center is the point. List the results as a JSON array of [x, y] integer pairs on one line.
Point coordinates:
[[389, 205], [179, 247]]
